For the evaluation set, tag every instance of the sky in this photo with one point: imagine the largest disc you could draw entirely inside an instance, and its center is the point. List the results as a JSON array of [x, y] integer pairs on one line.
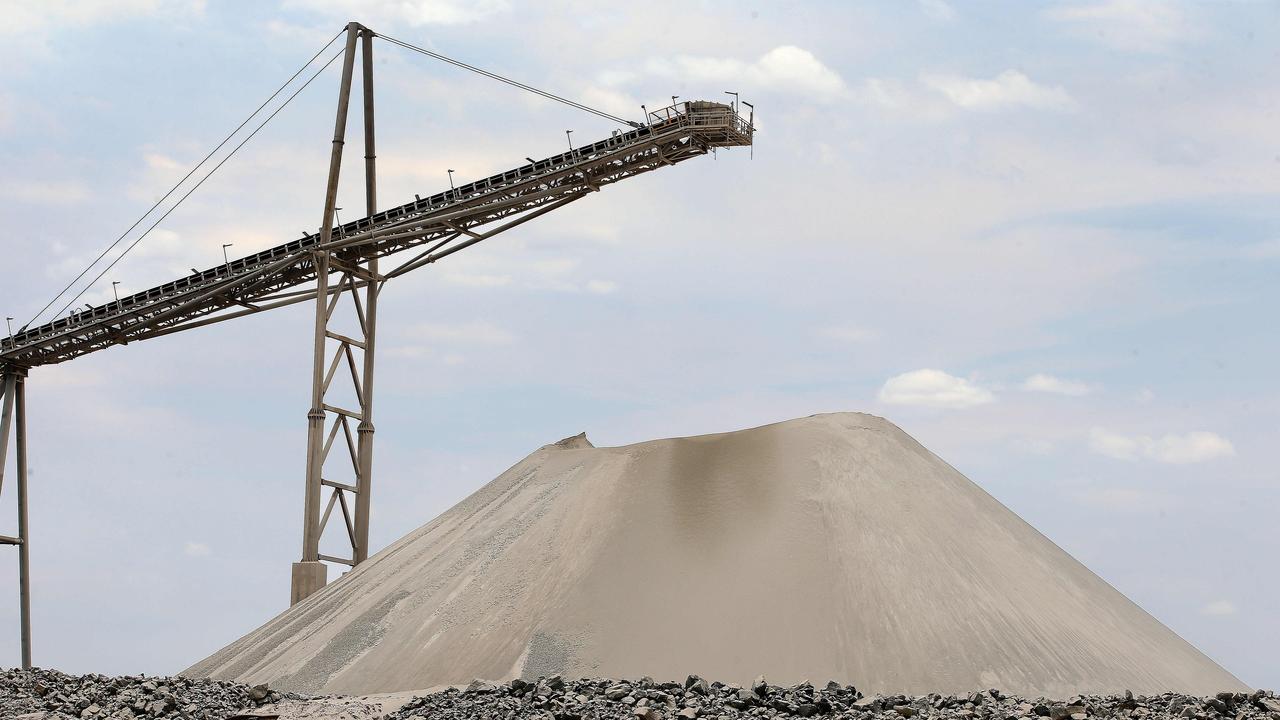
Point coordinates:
[[1042, 238]]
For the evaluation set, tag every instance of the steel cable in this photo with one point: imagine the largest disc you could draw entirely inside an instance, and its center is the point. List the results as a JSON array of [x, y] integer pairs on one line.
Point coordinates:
[[174, 189], [158, 203], [201, 181], [509, 81]]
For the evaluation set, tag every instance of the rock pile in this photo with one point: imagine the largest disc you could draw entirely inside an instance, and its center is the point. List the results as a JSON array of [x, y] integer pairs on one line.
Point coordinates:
[[51, 695], [555, 698]]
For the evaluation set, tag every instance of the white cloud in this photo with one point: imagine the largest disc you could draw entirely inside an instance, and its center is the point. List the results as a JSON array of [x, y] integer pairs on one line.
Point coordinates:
[[786, 67], [1219, 608], [1113, 445], [933, 388], [26, 17], [67, 375], [1127, 500], [937, 10], [610, 100], [1135, 25], [555, 266], [411, 12], [165, 165], [7, 104], [439, 342], [602, 287], [1008, 89], [885, 92], [479, 280], [1192, 447], [1050, 384], [847, 334], [45, 192], [196, 549], [475, 333], [1265, 250]]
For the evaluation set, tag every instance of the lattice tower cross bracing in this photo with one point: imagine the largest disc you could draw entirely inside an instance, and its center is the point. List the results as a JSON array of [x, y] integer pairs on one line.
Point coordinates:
[[337, 269]]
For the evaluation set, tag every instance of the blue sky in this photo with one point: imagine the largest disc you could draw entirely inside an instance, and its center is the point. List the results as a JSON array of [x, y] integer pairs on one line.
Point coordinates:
[[1040, 237]]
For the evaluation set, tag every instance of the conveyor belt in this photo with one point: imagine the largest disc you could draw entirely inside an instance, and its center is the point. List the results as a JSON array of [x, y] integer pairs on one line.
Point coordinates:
[[437, 226]]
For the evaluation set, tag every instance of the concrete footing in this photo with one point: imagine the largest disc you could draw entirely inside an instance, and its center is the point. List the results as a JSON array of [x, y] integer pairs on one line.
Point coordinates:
[[308, 577]]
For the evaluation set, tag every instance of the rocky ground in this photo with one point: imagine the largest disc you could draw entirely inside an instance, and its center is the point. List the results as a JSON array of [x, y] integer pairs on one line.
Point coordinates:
[[50, 695], [558, 699]]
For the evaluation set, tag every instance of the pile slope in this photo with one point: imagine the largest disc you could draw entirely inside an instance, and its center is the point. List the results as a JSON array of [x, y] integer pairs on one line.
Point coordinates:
[[833, 547]]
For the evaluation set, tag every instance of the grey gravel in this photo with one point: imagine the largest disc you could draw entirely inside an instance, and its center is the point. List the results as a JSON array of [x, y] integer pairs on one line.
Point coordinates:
[[50, 695], [555, 698]]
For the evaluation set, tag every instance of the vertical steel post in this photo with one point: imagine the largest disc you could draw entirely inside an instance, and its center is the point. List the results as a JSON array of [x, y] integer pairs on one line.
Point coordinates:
[[24, 538], [9, 379], [13, 416], [309, 575], [365, 430]]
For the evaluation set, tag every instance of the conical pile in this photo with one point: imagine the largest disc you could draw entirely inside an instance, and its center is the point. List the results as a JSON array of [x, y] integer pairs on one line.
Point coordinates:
[[829, 547]]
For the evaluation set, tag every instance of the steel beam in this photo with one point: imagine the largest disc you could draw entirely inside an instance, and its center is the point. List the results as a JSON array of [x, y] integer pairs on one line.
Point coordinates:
[[24, 537], [7, 391], [364, 477], [309, 575], [13, 420], [358, 284]]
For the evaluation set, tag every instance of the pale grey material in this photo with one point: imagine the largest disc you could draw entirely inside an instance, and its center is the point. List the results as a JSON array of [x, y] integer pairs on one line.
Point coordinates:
[[829, 547]]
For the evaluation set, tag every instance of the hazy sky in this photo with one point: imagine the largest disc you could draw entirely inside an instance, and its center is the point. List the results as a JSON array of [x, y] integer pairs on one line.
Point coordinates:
[[1043, 238]]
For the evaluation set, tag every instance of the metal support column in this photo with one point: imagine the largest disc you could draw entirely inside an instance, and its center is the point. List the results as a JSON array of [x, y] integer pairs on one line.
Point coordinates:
[[327, 420], [365, 431], [13, 415]]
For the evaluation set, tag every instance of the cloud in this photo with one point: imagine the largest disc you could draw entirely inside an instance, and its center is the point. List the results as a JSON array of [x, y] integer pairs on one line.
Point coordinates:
[[1265, 250], [937, 10], [846, 334], [1008, 89], [784, 68], [7, 104], [439, 342], [1113, 445], [196, 549], [610, 100], [475, 333], [933, 388], [1131, 25], [555, 266], [411, 12], [1219, 608], [478, 280], [26, 17], [67, 375], [1192, 447], [45, 192], [1120, 499], [602, 287], [1050, 384]]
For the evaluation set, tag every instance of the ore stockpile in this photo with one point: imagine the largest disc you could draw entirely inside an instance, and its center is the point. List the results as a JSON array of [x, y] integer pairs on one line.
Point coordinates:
[[828, 547]]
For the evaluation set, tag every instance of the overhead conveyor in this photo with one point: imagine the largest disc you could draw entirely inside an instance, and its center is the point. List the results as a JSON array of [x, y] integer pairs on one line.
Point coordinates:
[[443, 223], [340, 262]]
